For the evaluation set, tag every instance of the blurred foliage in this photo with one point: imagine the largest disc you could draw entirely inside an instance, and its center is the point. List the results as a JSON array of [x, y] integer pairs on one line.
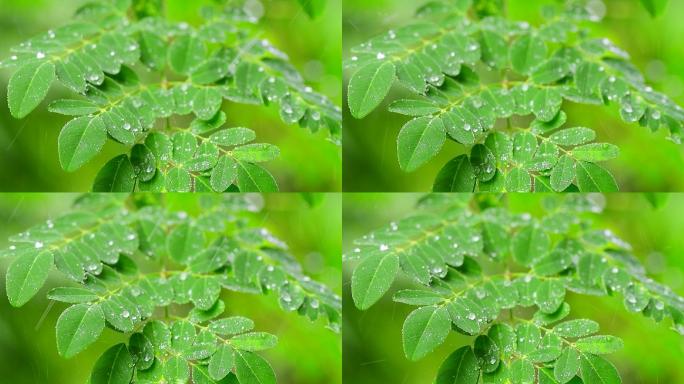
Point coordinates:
[[647, 162], [653, 353], [307, 162], [306, 354]]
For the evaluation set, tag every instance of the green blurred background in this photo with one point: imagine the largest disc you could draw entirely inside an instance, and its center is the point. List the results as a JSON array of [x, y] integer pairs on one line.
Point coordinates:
[[306, 353], [652, 354], [647, 162], [28, 147]]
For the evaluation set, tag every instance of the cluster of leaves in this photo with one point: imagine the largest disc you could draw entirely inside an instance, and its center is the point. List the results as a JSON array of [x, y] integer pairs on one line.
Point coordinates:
[[100, 54], [477, 78], [483, 269], [131, 257]]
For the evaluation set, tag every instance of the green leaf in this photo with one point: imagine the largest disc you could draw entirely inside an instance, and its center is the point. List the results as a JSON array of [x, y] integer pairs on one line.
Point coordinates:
[[530, 244], [593, 178], [79, 141], [425, 329], [256, 153], [654, 7], [117, 175], [29, 86], [522, 372], [27, 274], [417, 297], [573, 136], [596, 152], [254, 341], [483, 162], [563, 173], [77, 327], [576, 328], [599, 345], [231, 325], [232, 136], [459, 368], [527, 52], [518, 180], [487, 353], [223, 174], [369, 86], [596, 369], [185, 53], [567, 365], [176, 370], [252, 369], [184, 242], [72, 295], [221, 362], [253, 178], [115, 366], [419, 141], [414, 107], [313, 8], [373, 277], [550, 295], [73, 107], [456, 176]]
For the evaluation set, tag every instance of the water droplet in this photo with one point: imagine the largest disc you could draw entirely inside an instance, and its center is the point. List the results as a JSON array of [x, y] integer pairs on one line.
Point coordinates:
[[125, 314], [40, 55], [38, 244], [471, 316], [391, 34], [380, 56], [383, 247], [183, 276], [354, 58], [655, 115]]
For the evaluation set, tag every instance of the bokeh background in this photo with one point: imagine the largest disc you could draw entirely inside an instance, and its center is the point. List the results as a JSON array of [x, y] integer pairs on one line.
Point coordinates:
[[306, 353], [28, 147], [652, 354], [647, 162]]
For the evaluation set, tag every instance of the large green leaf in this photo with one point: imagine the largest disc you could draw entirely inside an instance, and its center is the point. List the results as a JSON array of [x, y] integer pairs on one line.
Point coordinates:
[[79, 141], [596, 369], [77, 327], [27, 274], [115, 366], [29, 86], [369, 86], [460, 367], [419, 141], [425, 329], [250, 368], [373, 277]]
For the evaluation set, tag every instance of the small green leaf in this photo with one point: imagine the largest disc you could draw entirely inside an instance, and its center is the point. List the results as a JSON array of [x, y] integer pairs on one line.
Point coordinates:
[[115, 366], [117, 175], [530, 244], [487, 353], [456, 176], [460, 367], [253, 178], [72, 295], [29, 86], [417, 297], [232, 136], [522, 372], [527, 52], [414, 107], [231, 325], [567, 365], [596, 369], [596, 152], [483, 162], [27, 274], [373, 277], [223, 174], [79, 141], [599, 345], [593, 178], [250, 368], [222, 362], [369, 86], [184, 242], [185, 53], [573, 136], [419, 141], [77, 327], [254, 341], [576, 328], [73, 107], [518, 180], [256, 153], [425, 329], [563, 173]]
